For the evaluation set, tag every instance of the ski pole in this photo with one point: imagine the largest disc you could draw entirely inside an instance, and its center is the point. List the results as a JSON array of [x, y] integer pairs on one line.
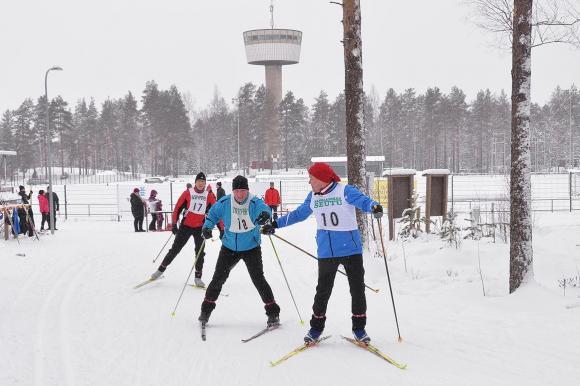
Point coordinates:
[[188, 276], [287, 284], [315, 258], [163, 247], [389, 277]]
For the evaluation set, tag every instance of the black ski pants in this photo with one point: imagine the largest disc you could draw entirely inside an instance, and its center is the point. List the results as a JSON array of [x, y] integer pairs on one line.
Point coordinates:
[[227, 260], [45, 219], [138, 222], [181, 238], [327, 268]]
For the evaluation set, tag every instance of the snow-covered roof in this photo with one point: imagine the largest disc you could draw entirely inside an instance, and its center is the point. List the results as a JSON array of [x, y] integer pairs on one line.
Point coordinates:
[[436, 171], [399, 172], [370, 158]]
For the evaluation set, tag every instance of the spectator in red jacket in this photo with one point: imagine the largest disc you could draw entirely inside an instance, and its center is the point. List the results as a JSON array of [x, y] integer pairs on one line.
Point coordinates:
[[196, 202], [272, 199], [44, 209]]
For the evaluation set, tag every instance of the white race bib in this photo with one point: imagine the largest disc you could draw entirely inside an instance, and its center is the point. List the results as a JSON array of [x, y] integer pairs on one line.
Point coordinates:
[[241, 221], [198, 202], [153, 206], [332, 211]]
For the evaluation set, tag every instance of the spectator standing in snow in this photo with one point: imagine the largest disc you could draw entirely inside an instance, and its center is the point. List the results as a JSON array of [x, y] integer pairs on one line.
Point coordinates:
[[220, 191], [242, 213], [138, 210], [56, 205], [159, 215], [272, 199], [338, 242], [196, 202], [26, 224], [44, 209], [152, 203]]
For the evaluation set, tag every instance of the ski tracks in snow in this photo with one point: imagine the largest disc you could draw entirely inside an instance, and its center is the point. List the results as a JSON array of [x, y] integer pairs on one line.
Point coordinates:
[[53, 360]]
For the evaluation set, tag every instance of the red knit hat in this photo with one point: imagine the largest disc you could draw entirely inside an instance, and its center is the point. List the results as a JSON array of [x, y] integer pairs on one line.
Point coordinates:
[[323, 172], [136, 190]]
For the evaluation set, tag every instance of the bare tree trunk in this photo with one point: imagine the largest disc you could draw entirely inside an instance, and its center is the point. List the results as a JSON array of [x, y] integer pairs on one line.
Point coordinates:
[[520, 190], [353, 89]]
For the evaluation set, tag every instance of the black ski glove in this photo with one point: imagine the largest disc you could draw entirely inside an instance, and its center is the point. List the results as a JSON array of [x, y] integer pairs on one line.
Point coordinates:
[[269, 229], [174, 229], [206, 233], [263, 218], [377, 211]]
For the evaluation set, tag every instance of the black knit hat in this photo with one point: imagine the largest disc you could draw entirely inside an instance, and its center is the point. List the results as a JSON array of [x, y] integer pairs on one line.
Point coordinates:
[[240, 182], [219, 183], [21, 187], [200, 176]]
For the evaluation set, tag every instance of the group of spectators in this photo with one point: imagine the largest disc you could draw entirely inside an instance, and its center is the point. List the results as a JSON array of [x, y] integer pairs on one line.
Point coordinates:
[[26, 215]]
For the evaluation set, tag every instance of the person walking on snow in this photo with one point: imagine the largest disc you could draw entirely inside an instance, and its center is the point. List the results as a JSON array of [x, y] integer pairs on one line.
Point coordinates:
[[338, 242], [272, 199], [242, 213], [196, 202], [138, 210]]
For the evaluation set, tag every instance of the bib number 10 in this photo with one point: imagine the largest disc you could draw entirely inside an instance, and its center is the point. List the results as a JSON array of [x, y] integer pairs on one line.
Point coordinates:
[[333, 218]]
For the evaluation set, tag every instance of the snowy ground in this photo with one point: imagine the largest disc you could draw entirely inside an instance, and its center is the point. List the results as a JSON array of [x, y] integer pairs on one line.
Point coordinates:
[[71, 317]]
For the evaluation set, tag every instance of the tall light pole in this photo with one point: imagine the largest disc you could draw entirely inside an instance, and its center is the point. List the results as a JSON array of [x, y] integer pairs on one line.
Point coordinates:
[[239, 137], [570, 128], [48, 149]]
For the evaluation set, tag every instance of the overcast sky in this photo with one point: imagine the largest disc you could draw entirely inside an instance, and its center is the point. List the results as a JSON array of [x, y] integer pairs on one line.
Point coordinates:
[[109, 47]]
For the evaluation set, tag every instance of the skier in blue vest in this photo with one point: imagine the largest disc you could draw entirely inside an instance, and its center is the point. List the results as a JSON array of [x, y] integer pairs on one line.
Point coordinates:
[[338, 242]]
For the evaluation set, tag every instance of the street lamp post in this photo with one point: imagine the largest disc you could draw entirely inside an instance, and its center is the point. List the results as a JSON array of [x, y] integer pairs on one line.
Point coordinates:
[[570, 128], [48, 149], [238, 136]]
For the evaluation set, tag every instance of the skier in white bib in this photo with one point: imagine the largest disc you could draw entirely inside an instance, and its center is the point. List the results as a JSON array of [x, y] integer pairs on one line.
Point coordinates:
[[242, 213], [195, 202], [338, 240]]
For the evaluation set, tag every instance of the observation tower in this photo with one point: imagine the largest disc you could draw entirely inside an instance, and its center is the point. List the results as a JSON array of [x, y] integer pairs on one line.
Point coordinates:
[[273, 48]]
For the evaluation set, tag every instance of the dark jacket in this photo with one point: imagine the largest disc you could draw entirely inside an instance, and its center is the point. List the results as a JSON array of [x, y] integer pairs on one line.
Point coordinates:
[[137, 207], [54, 199], [25, 197], [220, 192]]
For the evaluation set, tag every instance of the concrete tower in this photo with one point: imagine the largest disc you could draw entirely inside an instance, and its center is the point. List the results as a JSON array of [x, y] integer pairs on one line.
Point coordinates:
[[273, 48]]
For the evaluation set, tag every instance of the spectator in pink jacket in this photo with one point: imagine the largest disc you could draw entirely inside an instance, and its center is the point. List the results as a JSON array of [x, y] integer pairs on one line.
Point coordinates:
[[44, 209]]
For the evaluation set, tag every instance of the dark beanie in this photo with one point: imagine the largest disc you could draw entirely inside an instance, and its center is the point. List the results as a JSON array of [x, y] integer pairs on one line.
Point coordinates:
[[240, 182], [21, 187], [219, 183], [136, 190], [200, 176]]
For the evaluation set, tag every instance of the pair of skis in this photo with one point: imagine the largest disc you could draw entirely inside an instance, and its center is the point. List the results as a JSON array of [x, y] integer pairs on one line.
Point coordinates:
[[202, 326], [366, 346]]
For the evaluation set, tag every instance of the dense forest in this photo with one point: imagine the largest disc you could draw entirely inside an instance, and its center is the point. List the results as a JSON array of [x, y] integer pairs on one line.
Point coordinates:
[[163, 134]]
